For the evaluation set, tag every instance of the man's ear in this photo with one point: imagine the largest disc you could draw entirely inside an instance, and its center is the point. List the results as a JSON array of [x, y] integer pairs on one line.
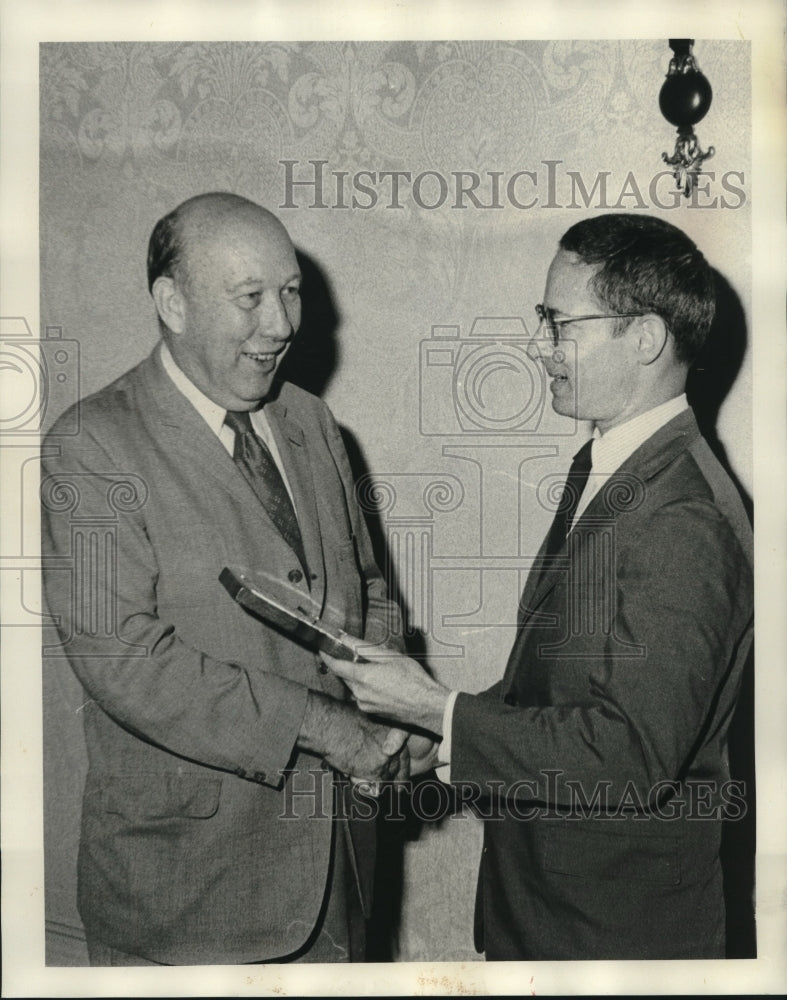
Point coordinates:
[[652, 335], [169, 303]]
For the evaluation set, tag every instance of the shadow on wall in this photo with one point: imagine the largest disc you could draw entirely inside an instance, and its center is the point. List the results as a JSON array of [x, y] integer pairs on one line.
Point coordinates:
[[738, 840], [397, 823], [715, 371], [710, 380], [310, 363], [314, 354]]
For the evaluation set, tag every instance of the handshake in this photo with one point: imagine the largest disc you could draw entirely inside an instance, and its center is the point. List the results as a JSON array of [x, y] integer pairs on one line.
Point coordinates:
[[357, 740], [354, 739], [368, 751]]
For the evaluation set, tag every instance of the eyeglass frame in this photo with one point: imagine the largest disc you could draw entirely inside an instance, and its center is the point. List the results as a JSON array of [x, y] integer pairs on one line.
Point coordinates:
[[553, 325]]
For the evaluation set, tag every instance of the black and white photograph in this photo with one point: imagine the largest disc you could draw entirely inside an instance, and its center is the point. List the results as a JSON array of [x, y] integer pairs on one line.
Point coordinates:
[[391, 393]]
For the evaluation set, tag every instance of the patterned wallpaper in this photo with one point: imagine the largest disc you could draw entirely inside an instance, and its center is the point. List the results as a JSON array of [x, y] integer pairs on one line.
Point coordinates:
[[426, 184], [225, 113]]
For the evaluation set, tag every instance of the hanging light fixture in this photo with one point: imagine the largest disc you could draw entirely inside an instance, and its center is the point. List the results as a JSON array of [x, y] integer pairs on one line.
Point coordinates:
[[684, 100]]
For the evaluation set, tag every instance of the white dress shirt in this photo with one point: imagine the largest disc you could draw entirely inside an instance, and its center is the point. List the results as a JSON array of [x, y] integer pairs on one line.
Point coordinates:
[[213, 415], [608, 452]]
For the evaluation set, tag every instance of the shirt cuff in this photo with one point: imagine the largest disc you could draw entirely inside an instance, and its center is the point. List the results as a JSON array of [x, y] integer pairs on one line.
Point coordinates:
[[443, 766]]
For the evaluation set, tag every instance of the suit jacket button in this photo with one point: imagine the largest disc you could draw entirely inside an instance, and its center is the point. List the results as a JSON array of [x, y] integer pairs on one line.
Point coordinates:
[[295, 576], [260, 776], [510, 699], [323, 669]]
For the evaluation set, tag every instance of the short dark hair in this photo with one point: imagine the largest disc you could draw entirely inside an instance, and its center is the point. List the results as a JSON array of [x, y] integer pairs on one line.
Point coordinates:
[[648, 265], [165, 248]]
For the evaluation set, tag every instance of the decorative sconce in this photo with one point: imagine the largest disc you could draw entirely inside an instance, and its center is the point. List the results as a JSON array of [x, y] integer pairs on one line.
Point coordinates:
[[684, 100]]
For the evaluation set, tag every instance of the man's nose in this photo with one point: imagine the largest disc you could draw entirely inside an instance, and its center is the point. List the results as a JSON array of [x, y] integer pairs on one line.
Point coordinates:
[[540, 346], [274, 322]]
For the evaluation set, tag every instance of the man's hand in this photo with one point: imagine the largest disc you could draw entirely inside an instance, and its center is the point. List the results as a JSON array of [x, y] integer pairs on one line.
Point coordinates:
[[393, 686], [352, 743], [371, 752], [423, 753]]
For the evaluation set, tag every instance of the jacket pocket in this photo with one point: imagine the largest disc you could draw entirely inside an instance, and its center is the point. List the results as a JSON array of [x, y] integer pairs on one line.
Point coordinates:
[[600, 854], [155, 796]]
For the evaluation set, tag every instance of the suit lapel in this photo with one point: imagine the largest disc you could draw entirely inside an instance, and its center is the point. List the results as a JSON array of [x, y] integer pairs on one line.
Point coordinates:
[[535, 584], [294, 451], [185, 432], [648, 460]]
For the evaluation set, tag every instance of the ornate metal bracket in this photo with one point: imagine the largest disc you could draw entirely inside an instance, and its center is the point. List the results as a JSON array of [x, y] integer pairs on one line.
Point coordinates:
[[684, 99]]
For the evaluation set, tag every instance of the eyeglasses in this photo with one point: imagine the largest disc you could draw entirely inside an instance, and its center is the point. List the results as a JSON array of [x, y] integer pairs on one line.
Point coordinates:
[[547, 318]]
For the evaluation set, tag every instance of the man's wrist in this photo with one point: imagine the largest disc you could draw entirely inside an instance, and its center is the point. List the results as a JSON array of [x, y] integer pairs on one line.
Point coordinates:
[[322, 719], [431, 712]]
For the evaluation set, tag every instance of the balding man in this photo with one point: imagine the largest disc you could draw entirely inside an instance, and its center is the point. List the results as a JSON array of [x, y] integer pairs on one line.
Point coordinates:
[[217, 747]]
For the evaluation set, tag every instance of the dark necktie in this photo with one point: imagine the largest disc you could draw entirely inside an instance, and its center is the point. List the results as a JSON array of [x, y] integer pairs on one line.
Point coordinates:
[[569, 501], [255, 461]]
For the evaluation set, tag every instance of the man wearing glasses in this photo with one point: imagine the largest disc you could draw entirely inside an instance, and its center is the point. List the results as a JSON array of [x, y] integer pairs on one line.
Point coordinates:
[[601, 755]]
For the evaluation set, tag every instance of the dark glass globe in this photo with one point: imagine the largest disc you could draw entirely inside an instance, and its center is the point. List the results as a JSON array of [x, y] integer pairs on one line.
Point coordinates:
[[685, 98]]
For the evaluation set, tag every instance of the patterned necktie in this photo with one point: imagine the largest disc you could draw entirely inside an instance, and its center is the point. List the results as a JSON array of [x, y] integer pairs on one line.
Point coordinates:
[[569, 501], [255, 461]]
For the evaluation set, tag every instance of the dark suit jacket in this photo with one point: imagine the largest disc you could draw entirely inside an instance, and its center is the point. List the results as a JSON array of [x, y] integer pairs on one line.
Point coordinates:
[[195, 847], [608, 731]]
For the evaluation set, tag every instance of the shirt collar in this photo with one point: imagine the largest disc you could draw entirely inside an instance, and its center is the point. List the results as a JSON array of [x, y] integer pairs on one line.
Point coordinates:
[[610, 450], [211, 412]]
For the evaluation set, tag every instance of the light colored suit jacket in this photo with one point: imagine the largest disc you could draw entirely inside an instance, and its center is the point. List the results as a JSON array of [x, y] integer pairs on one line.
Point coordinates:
[[205, 832], [608, 732]]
